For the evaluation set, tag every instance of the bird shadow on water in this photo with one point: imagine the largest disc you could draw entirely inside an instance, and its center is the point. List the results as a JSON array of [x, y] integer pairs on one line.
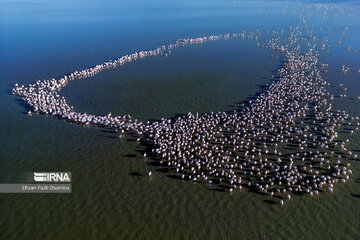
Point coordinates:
[[217, 189], [20, 102], [355, 195], [107, 131], [171, 176], [272, 202], [137, 174]]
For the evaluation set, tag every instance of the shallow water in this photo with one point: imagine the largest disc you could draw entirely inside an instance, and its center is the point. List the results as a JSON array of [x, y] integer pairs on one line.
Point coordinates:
[[112, 196]]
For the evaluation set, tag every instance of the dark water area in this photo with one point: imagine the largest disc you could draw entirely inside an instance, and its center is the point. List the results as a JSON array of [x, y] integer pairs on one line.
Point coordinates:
[[193, 79], [112, 196]]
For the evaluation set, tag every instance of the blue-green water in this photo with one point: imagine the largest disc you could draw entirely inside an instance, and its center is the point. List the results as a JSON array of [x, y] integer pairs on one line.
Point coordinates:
[[112, 196]]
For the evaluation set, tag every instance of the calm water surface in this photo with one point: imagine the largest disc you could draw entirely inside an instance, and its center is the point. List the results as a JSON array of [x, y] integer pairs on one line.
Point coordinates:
[[112, 196]]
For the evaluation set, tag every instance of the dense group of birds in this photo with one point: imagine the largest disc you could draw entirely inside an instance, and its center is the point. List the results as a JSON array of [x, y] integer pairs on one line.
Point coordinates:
[[282, 143]]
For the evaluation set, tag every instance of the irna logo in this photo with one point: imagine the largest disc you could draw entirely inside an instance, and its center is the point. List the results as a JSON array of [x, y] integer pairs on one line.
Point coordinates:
[[52, 177]]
